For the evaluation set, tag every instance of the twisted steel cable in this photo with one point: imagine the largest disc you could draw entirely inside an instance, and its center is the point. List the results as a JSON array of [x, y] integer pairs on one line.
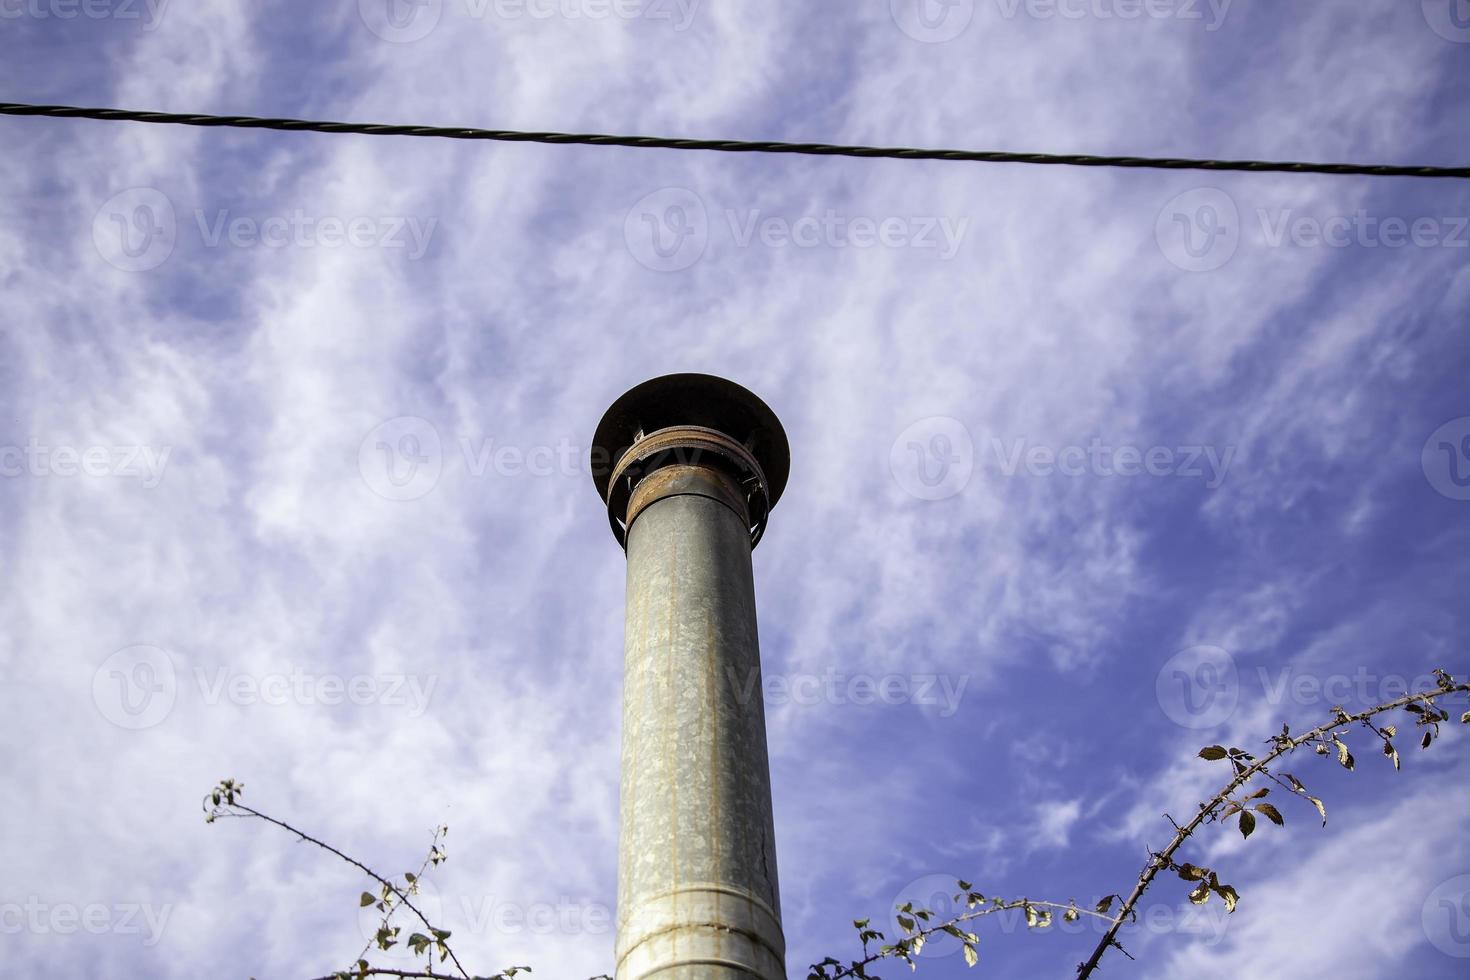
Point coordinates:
[[728, 146]]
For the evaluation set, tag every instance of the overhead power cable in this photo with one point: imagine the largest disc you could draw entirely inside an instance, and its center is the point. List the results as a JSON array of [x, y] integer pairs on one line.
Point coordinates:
[[727, 146]]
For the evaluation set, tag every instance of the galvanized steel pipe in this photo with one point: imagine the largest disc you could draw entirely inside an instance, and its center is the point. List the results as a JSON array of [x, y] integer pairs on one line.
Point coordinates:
[[697, 888]]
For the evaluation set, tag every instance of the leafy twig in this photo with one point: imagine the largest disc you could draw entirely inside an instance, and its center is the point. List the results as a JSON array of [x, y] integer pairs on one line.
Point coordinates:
[[224, 801]]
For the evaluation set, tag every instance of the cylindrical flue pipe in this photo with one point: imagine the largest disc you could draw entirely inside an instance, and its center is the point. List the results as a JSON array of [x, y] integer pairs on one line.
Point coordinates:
[[690, 466]]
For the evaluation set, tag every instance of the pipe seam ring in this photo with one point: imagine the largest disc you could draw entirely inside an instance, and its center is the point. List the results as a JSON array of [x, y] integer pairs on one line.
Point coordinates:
[[686, 445]]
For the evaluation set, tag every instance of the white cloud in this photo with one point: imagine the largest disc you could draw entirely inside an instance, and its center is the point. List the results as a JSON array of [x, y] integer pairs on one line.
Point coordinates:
[[1054, 822]]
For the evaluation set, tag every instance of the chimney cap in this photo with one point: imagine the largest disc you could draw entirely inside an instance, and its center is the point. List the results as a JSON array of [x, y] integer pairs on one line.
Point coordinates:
[[692, 399]]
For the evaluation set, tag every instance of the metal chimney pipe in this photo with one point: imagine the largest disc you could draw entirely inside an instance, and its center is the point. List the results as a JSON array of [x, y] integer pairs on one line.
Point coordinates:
[[690, 466]]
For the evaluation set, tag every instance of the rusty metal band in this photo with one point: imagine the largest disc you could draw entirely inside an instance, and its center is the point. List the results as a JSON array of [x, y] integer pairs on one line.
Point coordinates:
[[688, 480], [687, 446]]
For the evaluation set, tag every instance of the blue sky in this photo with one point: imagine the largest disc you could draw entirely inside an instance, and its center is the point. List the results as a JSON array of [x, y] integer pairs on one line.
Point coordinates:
[[1090, 468]]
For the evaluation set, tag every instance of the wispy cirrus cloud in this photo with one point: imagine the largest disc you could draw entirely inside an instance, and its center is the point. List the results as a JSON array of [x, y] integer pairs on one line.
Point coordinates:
[[374, 456]]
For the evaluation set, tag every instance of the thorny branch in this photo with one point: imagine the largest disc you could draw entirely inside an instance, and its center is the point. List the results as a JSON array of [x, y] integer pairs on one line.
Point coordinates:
[[224, 801], [1246, 769]]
